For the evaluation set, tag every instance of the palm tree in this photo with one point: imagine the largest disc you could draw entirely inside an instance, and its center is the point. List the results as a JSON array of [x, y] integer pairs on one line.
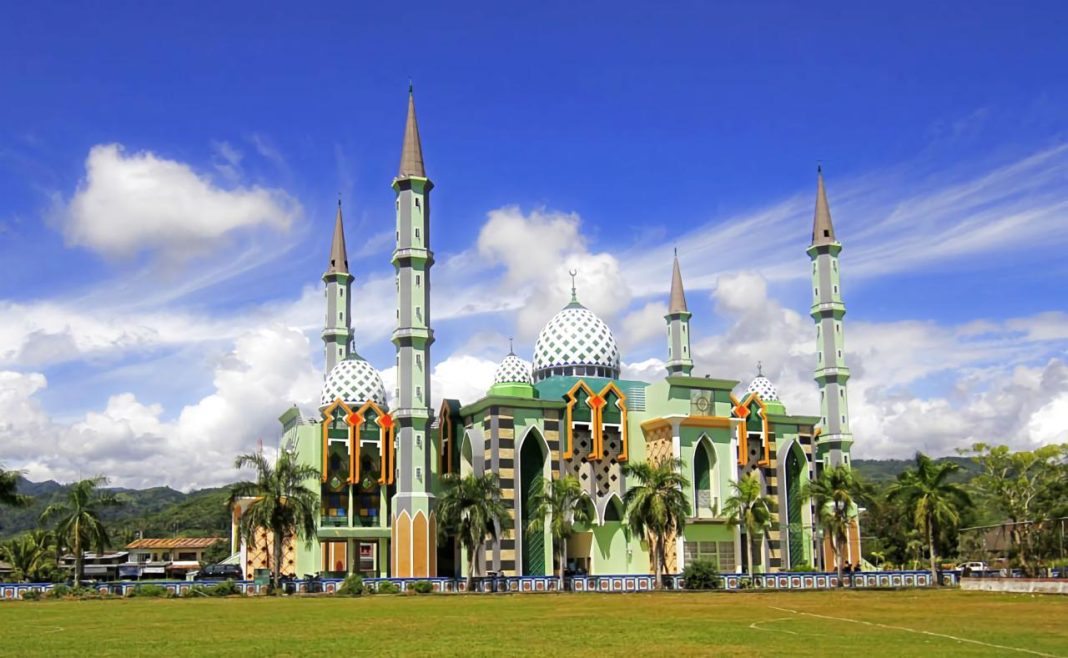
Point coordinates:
[[832, 496], [750, 508], [657, 506], [282, 502], [565, 505], [931, 498], [470, 508], [30, 555], [9, 494], [78, 523]]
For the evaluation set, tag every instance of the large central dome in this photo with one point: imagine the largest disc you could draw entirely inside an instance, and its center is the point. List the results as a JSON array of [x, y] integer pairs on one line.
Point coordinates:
[[354, 381], [576, 343]]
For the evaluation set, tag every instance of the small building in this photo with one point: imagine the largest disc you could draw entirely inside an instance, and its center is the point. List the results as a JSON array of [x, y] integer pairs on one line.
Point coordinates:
[[165, 558], [96, 566]]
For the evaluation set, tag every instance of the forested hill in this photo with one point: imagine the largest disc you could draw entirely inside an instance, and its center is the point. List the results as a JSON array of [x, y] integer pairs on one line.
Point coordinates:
[[157, 512], [881, 471], [164, 512]]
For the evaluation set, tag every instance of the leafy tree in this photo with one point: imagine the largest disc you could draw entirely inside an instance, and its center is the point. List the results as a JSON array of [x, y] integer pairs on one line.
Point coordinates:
[[749, 508], [657, 506], [470, 509], [932, 499], [1026, 487], [78, 523], [282, 502], [832, 494], [562, 504]]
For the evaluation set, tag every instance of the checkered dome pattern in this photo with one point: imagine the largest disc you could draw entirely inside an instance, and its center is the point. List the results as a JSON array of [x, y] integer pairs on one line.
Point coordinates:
[[763, 387], [512, 370], [355, 381], [575, 336]]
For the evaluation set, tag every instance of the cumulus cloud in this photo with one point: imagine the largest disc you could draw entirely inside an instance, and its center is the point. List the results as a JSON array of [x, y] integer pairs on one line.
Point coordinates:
[[135, 444], [915, 385], [131, 202], [537, 250]]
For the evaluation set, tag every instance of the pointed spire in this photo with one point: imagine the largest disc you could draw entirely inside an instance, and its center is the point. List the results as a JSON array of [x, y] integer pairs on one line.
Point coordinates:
[[412, 152], [339, 258], [511, 347], [822, 229], [678, 295]]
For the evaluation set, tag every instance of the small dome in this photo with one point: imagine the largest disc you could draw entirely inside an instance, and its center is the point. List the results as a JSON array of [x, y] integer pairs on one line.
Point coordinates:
[[763, 387], [576, 343], [355, 381], [512, 370]]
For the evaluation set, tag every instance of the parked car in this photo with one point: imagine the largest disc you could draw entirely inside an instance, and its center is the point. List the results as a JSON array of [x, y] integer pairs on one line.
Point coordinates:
[[973, 567], [220, 572]]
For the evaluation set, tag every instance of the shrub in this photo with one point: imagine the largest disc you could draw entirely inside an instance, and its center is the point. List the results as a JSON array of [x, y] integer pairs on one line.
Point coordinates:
[[353, 586], [32, 595], [388, 587], [226, 588], [150, 591], [803, 568], [701, 574], [59, 591], [423, 587], [745, 582]]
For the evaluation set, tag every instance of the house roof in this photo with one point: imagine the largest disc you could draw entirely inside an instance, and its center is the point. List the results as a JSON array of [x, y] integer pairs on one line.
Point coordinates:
[[180, 542]]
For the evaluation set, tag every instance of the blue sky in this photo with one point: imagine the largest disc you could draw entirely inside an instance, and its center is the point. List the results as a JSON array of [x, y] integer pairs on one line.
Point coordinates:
[[168, 177]]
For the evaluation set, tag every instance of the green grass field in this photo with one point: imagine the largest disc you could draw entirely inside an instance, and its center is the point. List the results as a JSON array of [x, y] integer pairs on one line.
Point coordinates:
[[906, 623]]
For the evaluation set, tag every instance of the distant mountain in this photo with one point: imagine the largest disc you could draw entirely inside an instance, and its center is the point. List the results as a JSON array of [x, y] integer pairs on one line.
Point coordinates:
[[881, 471], [155, 512]]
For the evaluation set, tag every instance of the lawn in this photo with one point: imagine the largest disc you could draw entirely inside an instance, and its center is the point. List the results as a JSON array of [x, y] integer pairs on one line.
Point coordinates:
[[905, 623]]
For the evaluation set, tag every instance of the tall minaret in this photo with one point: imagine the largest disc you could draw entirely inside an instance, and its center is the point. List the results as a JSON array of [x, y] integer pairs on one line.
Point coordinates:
[[414, 552], [337, 331], [827, 312], [680, 361]]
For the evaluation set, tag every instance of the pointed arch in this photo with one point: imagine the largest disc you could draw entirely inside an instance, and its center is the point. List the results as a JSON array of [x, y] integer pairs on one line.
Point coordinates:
[[612, 509], [531, 469], [705, 478], [329, 417], [795, 517], [580, 391]]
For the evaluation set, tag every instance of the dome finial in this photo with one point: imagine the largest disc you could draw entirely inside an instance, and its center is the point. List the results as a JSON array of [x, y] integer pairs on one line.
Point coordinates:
[[511, 348], [574, 294], [760, 368]]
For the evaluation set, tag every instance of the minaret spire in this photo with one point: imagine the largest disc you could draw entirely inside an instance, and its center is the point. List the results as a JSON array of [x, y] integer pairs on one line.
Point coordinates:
[[822, 228], [339, 258], [413, 501], [680, 361], [337, 332], [411, 163], [677, 303], [828, 310]]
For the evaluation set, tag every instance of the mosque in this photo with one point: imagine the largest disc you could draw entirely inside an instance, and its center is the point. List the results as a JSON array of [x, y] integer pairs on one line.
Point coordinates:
[[566, 411]]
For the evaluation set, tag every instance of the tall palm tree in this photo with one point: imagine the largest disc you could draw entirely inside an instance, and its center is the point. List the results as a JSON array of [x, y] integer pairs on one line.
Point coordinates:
[[657, 506], [282, 502], [562, 504], [78, 523], [750, 508], [832, 495], [930, 497], [470, 509]]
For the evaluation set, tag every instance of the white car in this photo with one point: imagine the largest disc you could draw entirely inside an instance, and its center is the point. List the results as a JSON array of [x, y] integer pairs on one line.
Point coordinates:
[[973, 567]]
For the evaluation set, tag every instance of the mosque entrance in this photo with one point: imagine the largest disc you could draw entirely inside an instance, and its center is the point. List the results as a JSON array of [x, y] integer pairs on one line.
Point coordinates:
[[532, 458], [795, 462]]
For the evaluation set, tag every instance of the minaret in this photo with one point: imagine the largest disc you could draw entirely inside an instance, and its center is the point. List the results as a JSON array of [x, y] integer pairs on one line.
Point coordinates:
[[827, 312], [680, 361], [414, 552], [337, 330]]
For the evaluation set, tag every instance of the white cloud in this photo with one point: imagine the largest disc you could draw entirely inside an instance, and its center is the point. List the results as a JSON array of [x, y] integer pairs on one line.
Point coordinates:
[[537, 250], [132, 442], [129, 203]]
